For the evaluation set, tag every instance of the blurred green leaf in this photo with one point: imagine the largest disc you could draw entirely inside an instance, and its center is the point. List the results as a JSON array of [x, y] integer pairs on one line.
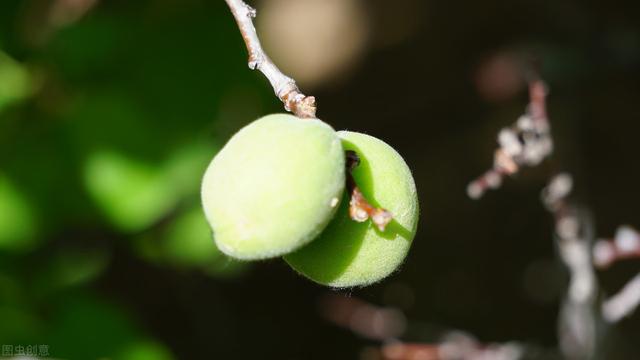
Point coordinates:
[[85, 327], [87, 46], [188, 240], [186, 166], [15, 81], [10, 290], [23, 324], [18, 224], [133, 194], [144, 350], [111, 119], [71, 267]]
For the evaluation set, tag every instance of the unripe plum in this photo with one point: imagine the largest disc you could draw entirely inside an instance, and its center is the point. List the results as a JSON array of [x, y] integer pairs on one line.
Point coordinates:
[[350, 253], [274, 186]]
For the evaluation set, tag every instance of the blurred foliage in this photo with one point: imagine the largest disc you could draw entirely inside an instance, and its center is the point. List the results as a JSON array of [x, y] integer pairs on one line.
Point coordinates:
[[17, 223], [106, 126], [98, 330], [16, 84]]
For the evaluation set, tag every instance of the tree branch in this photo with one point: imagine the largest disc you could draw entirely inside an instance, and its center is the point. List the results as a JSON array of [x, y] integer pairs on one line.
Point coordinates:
[[284, 87], [388, 324], [625, 245], [577, 320], [526, 143], [623, 303]]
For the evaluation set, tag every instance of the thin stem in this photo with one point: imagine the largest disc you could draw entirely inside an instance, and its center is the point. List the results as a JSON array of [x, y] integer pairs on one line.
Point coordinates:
[[625, 245], [359, 208], [578, 321], [284, 87], [623, 303], [538, 102]]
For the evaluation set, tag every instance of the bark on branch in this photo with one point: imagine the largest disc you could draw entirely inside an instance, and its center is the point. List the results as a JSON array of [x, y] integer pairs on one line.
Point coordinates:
[[284, 87]]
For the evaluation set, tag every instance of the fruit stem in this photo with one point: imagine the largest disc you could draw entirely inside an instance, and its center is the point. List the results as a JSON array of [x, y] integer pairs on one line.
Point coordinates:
[[285, 88], [359, 208]]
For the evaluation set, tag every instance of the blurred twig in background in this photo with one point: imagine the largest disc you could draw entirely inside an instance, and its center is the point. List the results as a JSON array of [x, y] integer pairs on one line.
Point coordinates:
[[526, 143], [529, 143], [581, 315], [388, 325], [625, 245], [577, 322]]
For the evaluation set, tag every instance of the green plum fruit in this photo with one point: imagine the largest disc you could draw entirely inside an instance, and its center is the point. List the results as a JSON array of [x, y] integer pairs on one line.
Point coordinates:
[[350, 253], [274, 186]]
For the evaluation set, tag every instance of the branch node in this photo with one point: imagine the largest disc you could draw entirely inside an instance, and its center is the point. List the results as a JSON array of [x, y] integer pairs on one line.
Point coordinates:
[[251, 12], [254, 62]]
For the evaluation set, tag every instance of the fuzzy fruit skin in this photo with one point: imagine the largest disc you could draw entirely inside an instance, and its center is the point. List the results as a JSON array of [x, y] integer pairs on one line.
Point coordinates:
[[274, 186], [348, 253]]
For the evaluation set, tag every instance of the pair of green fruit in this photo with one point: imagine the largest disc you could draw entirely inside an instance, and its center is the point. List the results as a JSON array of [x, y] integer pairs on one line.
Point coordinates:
[[277, 188]]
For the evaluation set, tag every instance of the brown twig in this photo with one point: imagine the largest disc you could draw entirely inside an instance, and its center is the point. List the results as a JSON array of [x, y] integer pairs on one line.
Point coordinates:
[[526, 143], [410, 351], [625, 245], [388, 324], [455, 346], [284, 87], [577, 320], [362, 318], [623, 303], [359, 208]]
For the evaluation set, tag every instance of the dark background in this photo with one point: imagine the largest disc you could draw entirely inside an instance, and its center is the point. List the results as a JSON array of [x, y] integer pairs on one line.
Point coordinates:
[[142, 94]]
